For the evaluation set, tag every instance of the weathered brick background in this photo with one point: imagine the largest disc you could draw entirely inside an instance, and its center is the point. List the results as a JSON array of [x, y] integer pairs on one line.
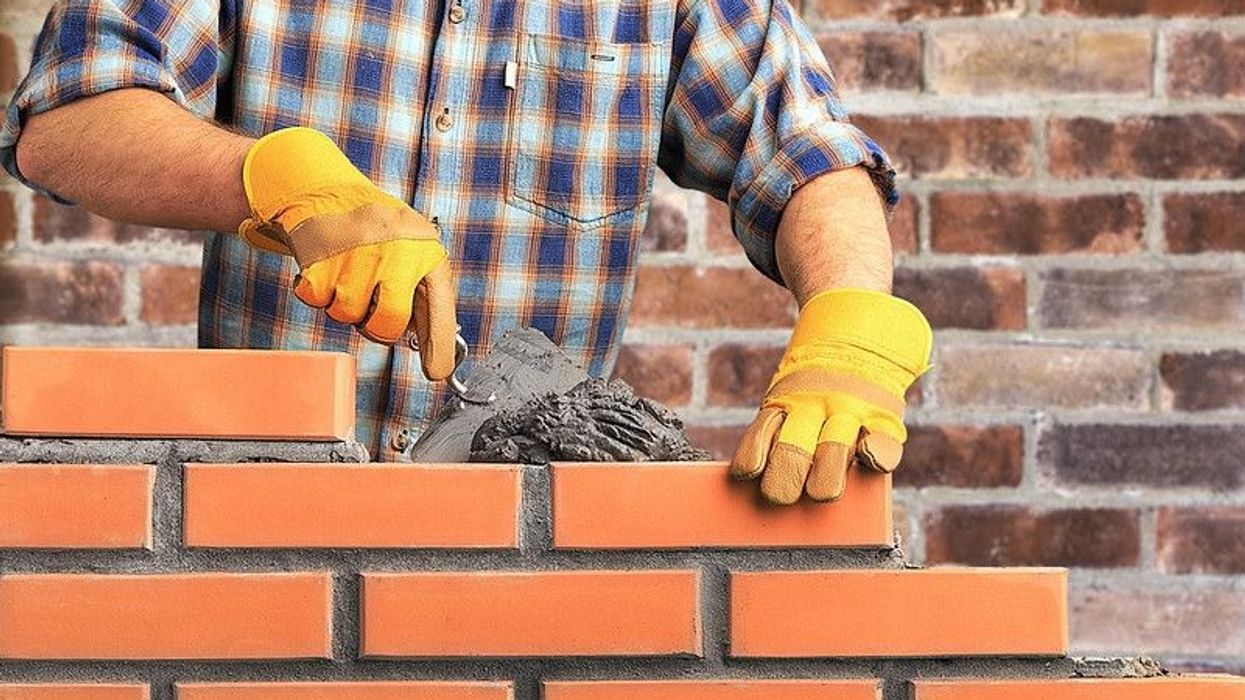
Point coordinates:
[[1074, 227]]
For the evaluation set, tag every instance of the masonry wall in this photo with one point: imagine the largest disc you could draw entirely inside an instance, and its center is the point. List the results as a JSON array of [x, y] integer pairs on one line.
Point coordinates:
[[1074, 171]]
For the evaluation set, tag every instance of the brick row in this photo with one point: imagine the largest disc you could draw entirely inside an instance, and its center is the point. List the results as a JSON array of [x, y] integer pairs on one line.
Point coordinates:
[[1162, 688], [239, 394], [896, 613]]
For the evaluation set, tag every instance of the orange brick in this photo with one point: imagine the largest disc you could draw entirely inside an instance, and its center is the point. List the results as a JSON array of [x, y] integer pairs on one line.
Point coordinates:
[[1169, 688], [173, 616], [71, 691], [306, 505], [540, 613], [714, 690], [658, 506], [934, 612], [75, 507], [149, 392], [398, 690]]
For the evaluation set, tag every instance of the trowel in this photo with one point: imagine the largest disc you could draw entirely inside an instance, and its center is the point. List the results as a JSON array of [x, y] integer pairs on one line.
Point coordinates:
[[523, 365]]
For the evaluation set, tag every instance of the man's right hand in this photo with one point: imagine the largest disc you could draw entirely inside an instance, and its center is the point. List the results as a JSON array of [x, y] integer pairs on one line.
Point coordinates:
[[366, 257]]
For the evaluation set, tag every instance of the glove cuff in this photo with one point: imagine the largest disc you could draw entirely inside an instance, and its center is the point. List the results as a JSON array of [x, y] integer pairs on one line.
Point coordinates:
[[293, 174], [874, 321]]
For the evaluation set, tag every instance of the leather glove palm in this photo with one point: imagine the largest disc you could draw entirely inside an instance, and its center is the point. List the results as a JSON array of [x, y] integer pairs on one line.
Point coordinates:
[[365, 257], [837, 397]]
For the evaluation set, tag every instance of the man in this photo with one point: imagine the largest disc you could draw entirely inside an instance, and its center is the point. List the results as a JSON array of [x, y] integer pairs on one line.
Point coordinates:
[[500, 152]]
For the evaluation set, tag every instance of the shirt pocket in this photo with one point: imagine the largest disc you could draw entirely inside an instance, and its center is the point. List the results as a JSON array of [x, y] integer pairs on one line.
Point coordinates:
[[586, 126]]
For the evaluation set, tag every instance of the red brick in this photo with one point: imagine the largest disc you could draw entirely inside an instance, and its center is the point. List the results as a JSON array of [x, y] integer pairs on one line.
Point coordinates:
[[719, 440], [962, 456], [1210, 64], [353, 690], [715, 297], [55, 222], [166, 616], [1205, 222], [535, 613], [1170, 688], [1063, 61], [60, 292], [75, 507], [170, 294], [310, 505], [8, 219], [1205, 381], [1005, 535], [1165, 456], [1204, 540], [739, 375], [1143, 300], [1157, 146], [1130, 8], [978, 298], [660, 372], [1182, 621], [903, 225], [74, 691], [8, 63], [670, 506], [713, 690], [1043, 376], [1028, 224], [905, 10], [666, 229], [953, 147], [719, 235], [887, 613], [874, 60], [178, 393]]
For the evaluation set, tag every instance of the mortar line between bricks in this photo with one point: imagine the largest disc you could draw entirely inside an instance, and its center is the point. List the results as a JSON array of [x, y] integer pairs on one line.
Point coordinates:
[[1148, 526], [714, 608], [1105, 106], [1158, 75]]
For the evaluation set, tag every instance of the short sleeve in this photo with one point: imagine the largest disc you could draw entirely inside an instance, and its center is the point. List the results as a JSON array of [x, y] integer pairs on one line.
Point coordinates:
[[752, 114], [86, 47]]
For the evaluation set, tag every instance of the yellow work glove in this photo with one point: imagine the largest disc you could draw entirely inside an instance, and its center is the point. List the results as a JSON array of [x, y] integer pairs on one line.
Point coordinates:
[[365, 257], [838, 396]]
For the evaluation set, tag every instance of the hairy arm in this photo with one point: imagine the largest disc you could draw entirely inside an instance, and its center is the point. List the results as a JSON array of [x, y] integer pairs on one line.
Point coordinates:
[[136, 156], [833, 235]]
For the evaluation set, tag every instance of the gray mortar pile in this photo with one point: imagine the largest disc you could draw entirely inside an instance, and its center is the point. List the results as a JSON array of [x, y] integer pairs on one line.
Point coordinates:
[[534, 553]]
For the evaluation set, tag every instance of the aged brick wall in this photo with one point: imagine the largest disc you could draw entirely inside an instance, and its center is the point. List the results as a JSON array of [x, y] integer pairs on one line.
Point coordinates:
[[1075, 172]]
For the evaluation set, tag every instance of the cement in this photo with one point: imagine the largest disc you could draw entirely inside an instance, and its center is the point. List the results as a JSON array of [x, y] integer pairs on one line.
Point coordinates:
[[596, 421]]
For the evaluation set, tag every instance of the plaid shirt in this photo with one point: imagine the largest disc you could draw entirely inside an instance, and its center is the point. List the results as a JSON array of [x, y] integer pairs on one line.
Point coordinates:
[[531, 129]]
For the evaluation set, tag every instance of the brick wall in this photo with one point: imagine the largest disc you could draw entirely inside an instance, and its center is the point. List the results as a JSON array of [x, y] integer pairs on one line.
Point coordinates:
[[1075, 172]]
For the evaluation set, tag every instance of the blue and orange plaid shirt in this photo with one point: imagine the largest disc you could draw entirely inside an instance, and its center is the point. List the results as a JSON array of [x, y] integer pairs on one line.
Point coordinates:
[[531, 130]]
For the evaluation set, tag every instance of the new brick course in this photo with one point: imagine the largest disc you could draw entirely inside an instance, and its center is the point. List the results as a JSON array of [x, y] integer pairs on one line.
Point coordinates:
[[1075, 190]]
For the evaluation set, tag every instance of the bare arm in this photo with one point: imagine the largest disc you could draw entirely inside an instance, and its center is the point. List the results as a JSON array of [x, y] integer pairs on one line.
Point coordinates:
[[833, 235], [136, 156]]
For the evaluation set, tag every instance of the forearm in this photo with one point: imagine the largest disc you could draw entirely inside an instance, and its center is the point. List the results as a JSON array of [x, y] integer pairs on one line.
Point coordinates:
[[136, 156], [833, 235]]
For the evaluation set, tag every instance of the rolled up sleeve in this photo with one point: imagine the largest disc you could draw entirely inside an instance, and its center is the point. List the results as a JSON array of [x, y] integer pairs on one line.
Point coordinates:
[[87, 47], [752, 115]]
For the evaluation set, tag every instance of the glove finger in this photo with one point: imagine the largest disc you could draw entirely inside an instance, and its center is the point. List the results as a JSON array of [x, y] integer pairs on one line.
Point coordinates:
[[390, 314], [314, 286], [791, 458], [836, 448], [879, 451], [435, 322], [755, 446]]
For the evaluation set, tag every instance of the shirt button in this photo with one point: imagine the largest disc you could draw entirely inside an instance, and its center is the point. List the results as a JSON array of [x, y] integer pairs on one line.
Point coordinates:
[[401, 440], [445, 122], [457, 14]]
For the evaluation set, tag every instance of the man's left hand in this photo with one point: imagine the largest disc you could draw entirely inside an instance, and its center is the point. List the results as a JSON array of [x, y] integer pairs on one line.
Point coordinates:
[[838, 396]]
